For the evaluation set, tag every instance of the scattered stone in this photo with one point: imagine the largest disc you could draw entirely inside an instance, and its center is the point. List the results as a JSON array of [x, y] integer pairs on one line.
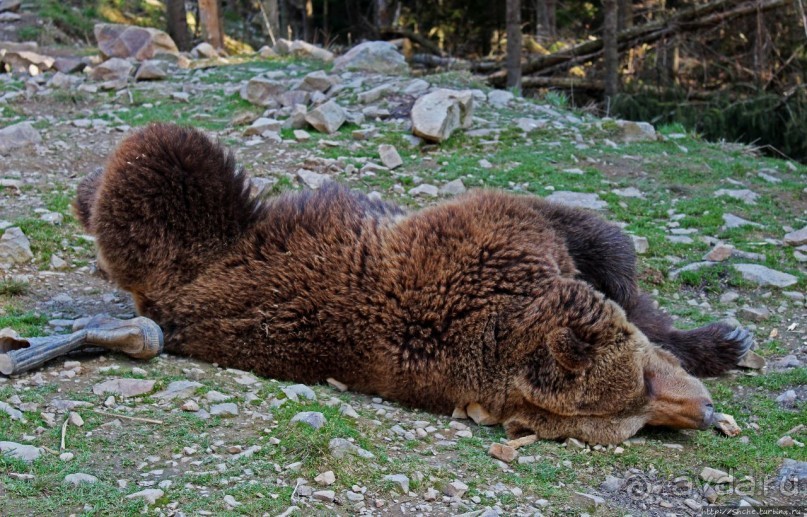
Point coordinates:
[[436, 115], [379, 57], [787, 398], [719, 253], [630, 192], [18, 135], [693, 505], [500, 98], [152, 70], [317, 81], [752, 360], [453, 188], [149, 495], [15, 414], [636, 131], [295, 391], [726, 424], [341, 447], [400, 480], [587, 500], [57, 263], [324, 495], [179, 389], [75, 419], [574, 443], [26, 453], [230, 501], [793, 474], [612, 484], [711, 475], [226, 409], [66, 456], [262, 125], [796, 238], [786, 441], [10, 6], [301, 135], [424, 189], [113, 70], [769, 178], [261, 91], [311, 179], [640, 244], [326, 478], [764, 276], [744, 195], [389, 156], [124, 387], [528, 125], [503, 452], [377, 93], [313, 418], [79, 478], [326, 118], [755, 314], [455, 489], [577, 199], [128, 41], [216, 396], [204, 50], [190, 406], [733, 221]]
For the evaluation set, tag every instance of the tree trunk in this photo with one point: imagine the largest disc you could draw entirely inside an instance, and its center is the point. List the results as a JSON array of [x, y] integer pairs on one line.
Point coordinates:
[[178, 23], [383, 14], [625, 15], [271, 10], [545, 23], [211, 23], [610, 48], [513, 17]]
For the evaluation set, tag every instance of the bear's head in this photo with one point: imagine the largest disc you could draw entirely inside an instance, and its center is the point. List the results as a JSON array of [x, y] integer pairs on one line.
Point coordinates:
[[603, 388]]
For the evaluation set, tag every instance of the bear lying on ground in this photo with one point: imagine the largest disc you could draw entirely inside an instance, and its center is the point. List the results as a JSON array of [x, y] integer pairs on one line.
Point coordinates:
[[527, 309]]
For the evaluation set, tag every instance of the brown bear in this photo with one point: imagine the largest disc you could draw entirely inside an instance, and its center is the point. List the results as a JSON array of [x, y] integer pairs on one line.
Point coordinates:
[[524, 308]]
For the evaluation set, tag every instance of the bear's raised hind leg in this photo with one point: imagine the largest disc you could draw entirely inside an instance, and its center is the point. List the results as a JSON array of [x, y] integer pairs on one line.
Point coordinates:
[[706, 351]]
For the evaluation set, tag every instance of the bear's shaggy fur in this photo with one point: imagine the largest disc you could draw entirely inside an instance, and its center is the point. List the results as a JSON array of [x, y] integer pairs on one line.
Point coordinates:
[[526, 308]]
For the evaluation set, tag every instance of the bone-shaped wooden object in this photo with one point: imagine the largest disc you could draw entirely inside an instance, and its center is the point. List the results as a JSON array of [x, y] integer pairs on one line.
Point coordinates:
[[140, 338]]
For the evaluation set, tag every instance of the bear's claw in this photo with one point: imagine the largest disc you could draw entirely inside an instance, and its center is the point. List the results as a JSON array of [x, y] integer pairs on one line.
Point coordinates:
[[742, 336]]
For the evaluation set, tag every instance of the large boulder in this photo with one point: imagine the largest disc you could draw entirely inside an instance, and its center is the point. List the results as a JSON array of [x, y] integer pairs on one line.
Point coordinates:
[[262, 91], [436, 115], [18, 135], [379, 57], [15, 248], [22, 58], [127, 41], [115, 69], [326, 118]]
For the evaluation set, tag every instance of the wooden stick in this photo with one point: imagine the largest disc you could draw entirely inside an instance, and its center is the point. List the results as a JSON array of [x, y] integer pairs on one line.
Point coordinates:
[[64, 432], [524, 440], [134, 418]]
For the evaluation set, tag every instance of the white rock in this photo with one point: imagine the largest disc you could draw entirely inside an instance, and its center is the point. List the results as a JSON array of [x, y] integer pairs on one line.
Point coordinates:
[[311, 179], [262, 91], [27, 453], [124, 387], [577, 199], [178, 389], [326, 118], [796, 238], [636, 131], [326, 478], [424, 190], [436, 115], [453, 188], [227, 409], [389, 156], [314, 419], [764, 276], [400, 480], [744, 195], [263, 124], [455, 489], [79, 478], [18, 135], [380, 57]]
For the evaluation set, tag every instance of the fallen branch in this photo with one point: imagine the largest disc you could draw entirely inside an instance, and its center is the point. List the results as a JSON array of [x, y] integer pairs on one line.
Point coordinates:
[[62, 445], [423, 41], [126, 417], [570, 83], [687, 20]]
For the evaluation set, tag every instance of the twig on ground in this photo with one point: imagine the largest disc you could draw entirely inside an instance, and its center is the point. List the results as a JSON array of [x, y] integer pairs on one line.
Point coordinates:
[[64, 433]]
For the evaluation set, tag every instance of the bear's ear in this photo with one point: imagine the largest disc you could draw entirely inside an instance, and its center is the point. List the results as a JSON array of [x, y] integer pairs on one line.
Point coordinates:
[[570, 352]]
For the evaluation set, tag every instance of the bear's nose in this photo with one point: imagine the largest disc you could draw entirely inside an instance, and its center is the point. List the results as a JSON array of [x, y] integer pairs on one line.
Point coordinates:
[[708, 412]]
